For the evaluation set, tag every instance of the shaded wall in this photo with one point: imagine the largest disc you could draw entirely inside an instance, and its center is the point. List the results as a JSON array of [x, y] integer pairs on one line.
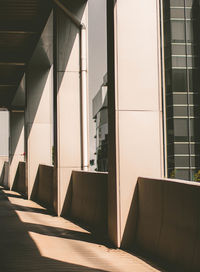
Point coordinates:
[[16, 152], [19, 183], [43, 191], [68, 96], [86, 200], [135, 109], [39, 105], [168, 223], [4, 168]]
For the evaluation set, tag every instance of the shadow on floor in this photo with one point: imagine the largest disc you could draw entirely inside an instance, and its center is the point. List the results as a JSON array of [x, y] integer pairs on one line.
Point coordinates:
[[32, 209], [157, 265], [13, 195], [18, 251], [99, 237], [91, 237], [59, 232], [63, 233]]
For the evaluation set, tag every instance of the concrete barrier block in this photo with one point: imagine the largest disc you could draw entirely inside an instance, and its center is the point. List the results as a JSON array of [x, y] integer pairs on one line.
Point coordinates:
[[19, 184], [89, 199]]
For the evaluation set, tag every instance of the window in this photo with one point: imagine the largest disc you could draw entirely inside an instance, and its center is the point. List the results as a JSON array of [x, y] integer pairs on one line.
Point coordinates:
[[182, 69]]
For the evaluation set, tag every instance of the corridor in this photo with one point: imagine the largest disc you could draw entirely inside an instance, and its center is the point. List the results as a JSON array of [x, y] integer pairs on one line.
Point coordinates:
[[34, 240]]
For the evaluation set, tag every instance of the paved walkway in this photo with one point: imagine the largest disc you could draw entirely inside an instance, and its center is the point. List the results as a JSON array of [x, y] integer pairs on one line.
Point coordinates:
[[33, 240]]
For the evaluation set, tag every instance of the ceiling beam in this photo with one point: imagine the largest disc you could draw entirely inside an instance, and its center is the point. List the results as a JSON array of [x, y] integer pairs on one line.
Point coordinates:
[[8, 85], [16, 108], [12, 63], [17, 32]]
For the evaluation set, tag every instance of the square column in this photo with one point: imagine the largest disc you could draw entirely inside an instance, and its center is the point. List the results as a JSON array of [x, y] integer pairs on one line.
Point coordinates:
[[16, 154], [69, 138], [39, 106], [135, 108]]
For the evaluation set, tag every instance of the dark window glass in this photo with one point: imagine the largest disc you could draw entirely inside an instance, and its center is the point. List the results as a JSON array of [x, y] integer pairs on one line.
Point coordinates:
[[177, 3], [180, 111], [177, 13], [181, 148], [177, 31], [182, 174], [178, 49], [179, 80], [194, 80], [190, 3], [182, 85], [189, 30], [182, 161], [178, 61], [180, 127]]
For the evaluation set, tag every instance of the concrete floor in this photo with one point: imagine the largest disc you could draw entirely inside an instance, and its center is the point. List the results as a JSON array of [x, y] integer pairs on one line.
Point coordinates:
[[33, 240]]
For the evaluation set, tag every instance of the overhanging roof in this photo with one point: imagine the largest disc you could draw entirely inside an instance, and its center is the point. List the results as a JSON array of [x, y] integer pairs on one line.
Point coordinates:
[[21, 22]]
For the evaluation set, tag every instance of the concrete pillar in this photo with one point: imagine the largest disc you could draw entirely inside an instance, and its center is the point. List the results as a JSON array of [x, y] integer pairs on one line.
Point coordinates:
[[39, 106], [68, 98], [16, 144], [135, 112]]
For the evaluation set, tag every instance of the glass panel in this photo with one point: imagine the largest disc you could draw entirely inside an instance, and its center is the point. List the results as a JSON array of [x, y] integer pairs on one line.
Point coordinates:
[[179, 80], [182, 174], [181, 148], [177, 13], [182, 85], [177, 31], [182, 161], [178, 49], [194, 80], [191, 49], [180, 111], [180, 127], [190, 3], [177, 3], [178, 62], [189, 30]]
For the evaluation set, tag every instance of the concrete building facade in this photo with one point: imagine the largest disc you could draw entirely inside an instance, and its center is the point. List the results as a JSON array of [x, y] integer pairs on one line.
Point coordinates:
[[49, 121]]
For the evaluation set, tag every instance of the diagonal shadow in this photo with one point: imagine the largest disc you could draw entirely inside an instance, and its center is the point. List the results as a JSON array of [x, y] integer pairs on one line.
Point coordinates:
[[19, 253], [30, 209], [129, 238], [66, 35], [38, 71], [91, 237]]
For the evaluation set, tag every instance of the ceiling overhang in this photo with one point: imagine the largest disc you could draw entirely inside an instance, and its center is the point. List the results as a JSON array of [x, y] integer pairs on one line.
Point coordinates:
[[21, 23]]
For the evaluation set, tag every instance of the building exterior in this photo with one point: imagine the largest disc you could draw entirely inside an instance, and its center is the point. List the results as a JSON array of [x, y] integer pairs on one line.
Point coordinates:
[[97, 62], [181, 39], [147, 107], [100, 115]]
